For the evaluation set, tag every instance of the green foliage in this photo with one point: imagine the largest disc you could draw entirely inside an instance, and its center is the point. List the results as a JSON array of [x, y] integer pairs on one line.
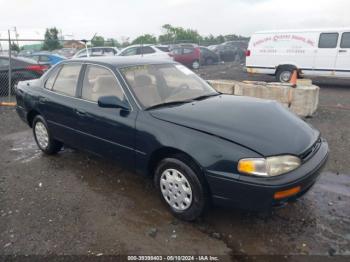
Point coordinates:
[[51, 41], [15, 47], [98, 41], [112, 42], [145, 39], [178, 34]]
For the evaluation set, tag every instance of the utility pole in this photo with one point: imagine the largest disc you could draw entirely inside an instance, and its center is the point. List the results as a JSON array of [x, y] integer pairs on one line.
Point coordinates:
[[10, 67]]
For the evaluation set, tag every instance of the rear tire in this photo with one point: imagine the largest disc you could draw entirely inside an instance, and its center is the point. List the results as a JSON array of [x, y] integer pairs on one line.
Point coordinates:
[[180, 189], [284, 74], [195, 64], [43, 138]]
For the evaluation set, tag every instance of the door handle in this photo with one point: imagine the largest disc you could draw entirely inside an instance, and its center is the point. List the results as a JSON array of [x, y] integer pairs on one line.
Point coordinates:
[[79, 112], [342, 51]]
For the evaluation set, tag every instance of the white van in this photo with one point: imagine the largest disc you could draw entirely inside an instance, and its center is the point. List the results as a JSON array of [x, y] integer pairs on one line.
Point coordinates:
[[315, 52]]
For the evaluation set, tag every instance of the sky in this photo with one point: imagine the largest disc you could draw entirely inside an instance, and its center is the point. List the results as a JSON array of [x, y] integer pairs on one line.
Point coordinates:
[[81, 19]]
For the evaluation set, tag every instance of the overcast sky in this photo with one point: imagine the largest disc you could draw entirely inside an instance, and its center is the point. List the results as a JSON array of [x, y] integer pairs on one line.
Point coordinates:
[[114, 18]]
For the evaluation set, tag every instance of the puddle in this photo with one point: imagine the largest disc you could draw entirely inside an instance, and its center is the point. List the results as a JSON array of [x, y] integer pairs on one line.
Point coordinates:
[[24, 146]]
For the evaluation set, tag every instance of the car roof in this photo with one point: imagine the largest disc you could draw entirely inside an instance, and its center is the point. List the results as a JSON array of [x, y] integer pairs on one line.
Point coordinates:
[[338, 29], [121, 61]]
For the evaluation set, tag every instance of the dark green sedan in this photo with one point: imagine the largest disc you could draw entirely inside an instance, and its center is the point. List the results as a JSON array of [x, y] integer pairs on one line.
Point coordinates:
[[161, 119]]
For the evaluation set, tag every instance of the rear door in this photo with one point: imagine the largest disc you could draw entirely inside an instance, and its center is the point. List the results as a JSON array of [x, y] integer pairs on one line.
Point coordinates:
[[58, 105], [327, 52], [343, 59]]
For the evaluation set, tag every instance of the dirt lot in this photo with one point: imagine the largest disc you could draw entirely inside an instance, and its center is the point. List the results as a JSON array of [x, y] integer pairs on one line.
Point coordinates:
[[77, 204]]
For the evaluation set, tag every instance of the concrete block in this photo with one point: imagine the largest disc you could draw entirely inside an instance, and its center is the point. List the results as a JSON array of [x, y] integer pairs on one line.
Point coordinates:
[[304, 82], [302, 100], [263, 90], [223, 86]]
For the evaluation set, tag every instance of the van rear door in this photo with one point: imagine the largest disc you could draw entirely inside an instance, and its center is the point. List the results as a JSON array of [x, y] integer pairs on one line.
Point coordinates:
[[326, 56], [343, 59]]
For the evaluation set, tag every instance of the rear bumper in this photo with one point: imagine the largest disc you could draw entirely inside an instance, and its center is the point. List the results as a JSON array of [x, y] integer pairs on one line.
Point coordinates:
[[254, 193], [22, 113]]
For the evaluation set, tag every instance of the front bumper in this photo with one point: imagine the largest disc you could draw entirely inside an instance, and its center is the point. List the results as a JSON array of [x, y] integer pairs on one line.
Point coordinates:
[[257, 193]]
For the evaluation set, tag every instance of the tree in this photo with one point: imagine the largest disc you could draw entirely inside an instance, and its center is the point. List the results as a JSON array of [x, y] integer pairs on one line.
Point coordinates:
[[145, 39], [178, 34], [15, 47], [98, 41], [112, 42], [51, 41]]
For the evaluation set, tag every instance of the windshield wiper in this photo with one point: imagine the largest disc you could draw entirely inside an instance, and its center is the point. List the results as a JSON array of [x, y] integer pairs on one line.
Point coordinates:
[[205, 96], [168, 104]]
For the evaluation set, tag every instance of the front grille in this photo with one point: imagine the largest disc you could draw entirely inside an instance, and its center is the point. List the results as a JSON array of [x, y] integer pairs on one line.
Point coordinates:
[[311, 151]]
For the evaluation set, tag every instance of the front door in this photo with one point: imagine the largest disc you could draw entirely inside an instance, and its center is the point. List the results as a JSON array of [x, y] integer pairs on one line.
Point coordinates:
[[343, 59], [105, 131], [326, 54]]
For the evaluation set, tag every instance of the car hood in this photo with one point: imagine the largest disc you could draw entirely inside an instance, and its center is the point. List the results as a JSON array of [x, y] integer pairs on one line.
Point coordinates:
[[261, 125]]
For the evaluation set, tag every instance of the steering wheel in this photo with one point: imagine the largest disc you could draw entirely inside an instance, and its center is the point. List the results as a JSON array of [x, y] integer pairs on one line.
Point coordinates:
[[179, 89]]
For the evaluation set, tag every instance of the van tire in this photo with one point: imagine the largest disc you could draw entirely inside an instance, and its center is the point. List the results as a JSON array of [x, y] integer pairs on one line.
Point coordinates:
[[284, 73]]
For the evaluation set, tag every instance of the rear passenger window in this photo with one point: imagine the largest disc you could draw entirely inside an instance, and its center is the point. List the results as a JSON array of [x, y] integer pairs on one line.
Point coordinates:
[[188, 50], [99, 81], [328, 40], [345, 40], [51, 80], [67, 79], [146, 50]]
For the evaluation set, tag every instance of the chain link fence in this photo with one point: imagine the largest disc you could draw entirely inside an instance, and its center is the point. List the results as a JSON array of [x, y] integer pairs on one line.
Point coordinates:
[[25, 59]]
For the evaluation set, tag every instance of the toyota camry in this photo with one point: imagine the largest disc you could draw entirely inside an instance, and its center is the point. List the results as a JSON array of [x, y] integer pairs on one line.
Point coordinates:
[[161, 119]]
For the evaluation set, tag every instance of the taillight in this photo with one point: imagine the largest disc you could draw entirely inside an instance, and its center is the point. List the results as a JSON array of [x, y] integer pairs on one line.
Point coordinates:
[[247, 53], [37, 68]]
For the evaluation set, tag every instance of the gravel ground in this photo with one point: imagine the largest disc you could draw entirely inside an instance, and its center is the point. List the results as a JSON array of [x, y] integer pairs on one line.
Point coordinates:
[[77, 204]]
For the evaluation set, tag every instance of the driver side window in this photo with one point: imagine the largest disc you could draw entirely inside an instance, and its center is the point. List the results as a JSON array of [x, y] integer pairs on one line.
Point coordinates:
[[99, 81]]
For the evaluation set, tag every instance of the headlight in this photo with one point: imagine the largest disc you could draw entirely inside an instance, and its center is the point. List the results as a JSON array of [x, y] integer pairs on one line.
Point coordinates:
[[270, 166]]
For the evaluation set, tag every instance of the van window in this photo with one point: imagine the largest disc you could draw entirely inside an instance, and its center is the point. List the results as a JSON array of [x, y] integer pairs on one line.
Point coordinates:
[[345, 40], [328, 40]]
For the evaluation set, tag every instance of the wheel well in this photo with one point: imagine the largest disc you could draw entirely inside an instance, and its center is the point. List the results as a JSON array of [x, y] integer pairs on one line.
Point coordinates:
[[290, 67], [30, 117], [166, 152]]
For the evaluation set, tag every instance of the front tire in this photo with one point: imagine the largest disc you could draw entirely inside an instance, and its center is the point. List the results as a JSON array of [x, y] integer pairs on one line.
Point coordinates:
[[180, 189], [43, 138]]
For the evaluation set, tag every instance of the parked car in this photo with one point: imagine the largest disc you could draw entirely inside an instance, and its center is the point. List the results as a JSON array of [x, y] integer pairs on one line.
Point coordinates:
[[66, 52], [208, 57], [148, 51], [311, 52], [21, 69], [164, 48], [46, 59], [231, 51], [163, 120], [189, 56], [97, 51]]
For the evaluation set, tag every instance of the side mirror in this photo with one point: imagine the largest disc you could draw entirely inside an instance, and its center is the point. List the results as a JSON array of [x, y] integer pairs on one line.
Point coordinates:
[[112, 102]]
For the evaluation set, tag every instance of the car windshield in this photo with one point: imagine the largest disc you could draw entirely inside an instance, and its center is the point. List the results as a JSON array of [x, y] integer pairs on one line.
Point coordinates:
[[165, 84]]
